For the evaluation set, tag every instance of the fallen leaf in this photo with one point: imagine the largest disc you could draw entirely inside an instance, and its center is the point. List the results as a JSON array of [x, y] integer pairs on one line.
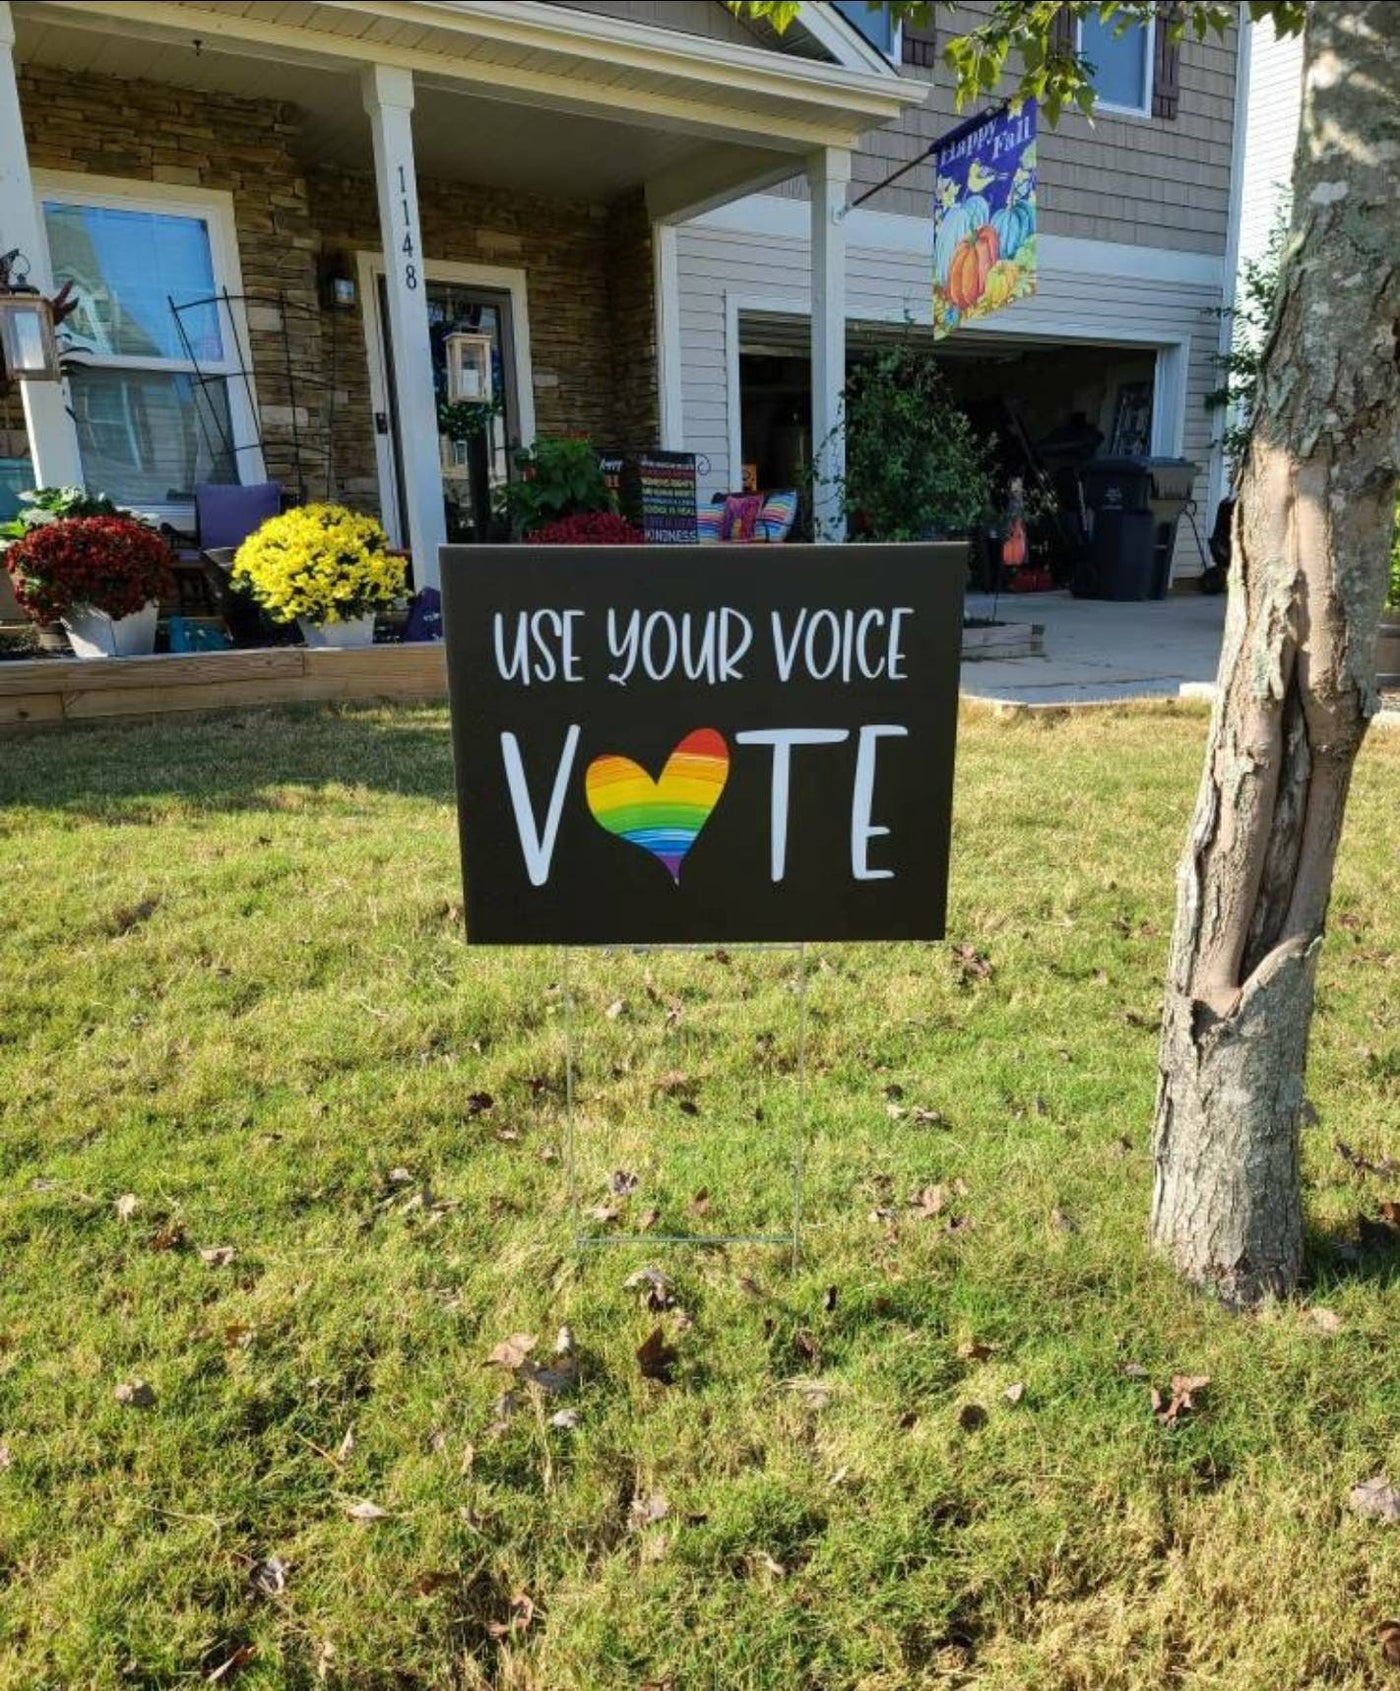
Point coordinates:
[[346, 1445], [1015, 1391], [1389, 1210], [700, 1203], [648, 1220], [895, 1112], [1324, 1320], [171, 1237], [646, 1511], [127, 1205], [479, 1102], [922, 1117], [217, 1256], [838, 1478], [657, 1359], [972, 1417], [237, 1335], [507, 1135], [622, 1181], [547, 1154], [1376, 1499], [769, 1565], [564, 1341], [513, 1352], [603, 1214], [135, 1394], [1133, 1371], [615, 1009], [244, 1653], [657, 1290], [565, 1420], [6, 1459], [975, 1350], [364, 1510], [805, 1345], [814, 1394], [554, 1382], [1390, 1642], [269, 1578], [1182, 1401], [929, 1201], [1063, 1223], [522, 1613], [1364, 1165], [972, 965]]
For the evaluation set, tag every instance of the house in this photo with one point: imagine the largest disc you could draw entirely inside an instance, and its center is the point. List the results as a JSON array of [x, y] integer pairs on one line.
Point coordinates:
[[630, 218]]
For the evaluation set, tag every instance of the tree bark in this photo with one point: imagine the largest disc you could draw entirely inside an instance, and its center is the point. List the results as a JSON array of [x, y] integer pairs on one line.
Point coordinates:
[[1311, 543]]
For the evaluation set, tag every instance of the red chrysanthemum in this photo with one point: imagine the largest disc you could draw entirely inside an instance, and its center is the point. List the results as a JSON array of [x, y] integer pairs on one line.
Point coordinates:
[[587, 528], [113, 564]]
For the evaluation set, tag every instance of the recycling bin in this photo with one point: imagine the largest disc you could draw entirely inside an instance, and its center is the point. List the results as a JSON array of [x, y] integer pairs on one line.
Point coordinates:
[[1134, 506]]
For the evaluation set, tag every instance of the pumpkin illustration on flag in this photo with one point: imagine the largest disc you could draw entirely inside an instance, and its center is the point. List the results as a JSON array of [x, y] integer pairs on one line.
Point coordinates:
[[972, 264]]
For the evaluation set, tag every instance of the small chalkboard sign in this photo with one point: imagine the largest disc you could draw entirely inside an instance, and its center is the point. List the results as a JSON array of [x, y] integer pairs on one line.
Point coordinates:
[[661, 745], [658, 494]]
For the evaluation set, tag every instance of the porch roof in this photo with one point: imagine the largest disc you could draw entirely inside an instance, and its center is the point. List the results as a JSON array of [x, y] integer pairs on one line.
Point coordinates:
[[563, 99]]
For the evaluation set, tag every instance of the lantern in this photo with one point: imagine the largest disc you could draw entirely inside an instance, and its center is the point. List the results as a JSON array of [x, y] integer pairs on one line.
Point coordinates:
[[28, 349], [468, 367]]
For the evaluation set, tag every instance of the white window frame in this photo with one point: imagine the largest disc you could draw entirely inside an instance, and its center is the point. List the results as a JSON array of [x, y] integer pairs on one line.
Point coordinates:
[[214, 208], [503, 279], [1149, 29], [894, 57]]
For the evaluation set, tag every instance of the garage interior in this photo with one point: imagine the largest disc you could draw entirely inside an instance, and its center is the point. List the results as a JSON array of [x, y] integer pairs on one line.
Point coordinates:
[[1051, 407]]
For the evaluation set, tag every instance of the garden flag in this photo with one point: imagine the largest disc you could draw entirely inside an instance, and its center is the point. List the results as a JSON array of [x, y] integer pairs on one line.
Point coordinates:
[[984, 216]]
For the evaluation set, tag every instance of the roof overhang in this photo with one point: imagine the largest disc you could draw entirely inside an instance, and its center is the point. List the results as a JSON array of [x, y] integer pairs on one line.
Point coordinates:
[[528, 52]]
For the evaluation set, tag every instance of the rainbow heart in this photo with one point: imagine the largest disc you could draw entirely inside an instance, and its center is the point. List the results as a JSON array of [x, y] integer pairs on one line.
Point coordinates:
[[664, 816]]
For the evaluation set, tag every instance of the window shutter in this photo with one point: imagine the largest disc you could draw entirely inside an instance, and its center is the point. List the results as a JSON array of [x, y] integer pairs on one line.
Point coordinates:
[[1166, 65], [920, 46]]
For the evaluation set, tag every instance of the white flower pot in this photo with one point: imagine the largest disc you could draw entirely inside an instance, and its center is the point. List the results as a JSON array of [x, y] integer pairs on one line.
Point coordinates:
[[93, 634], [353, 631]]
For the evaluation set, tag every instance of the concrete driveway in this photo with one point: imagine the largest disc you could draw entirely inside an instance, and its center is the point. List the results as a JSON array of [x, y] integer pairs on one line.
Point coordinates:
[[1098, 650]]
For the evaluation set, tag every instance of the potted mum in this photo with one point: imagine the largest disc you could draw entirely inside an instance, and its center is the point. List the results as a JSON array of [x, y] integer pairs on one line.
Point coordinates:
[[101, 576], [323, 567]]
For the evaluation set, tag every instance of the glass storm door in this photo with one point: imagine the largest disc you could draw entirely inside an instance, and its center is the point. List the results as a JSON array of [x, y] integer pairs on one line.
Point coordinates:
[[473, 468]]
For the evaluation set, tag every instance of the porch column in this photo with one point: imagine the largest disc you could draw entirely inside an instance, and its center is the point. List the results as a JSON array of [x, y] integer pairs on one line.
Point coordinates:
[[828, 172], [53, 440], [388, 98]]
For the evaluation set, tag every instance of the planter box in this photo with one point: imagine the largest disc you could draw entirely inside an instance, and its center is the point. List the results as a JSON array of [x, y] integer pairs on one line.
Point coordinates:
[[1388, 650], [1005, 640]]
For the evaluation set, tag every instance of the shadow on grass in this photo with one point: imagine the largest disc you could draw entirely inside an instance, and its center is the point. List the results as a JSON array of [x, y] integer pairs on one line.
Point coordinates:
[[131, 772], [1368, 1251]]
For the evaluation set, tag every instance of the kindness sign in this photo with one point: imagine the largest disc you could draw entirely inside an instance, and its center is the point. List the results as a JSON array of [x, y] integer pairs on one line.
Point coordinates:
[[660, 744]]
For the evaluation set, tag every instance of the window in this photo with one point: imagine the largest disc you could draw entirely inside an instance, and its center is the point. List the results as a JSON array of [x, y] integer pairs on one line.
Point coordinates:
[[1122, 62], [875, 23], [156, 411]]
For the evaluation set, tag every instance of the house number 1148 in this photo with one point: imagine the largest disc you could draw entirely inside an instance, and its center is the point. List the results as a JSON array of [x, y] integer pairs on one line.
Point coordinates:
[[410, 269]]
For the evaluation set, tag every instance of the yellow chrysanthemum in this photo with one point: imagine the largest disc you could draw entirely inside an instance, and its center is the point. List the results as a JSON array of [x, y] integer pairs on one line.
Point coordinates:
[[321, 562]]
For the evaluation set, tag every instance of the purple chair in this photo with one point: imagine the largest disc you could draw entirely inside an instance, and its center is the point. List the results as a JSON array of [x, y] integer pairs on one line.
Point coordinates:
[[226, 514]]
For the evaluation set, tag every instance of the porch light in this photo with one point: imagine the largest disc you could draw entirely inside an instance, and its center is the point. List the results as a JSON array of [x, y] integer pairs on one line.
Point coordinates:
[[28, 349], [468, 367]]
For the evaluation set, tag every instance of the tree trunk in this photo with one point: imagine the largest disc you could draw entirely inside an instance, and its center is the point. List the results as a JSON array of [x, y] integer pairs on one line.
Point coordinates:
[[1297, 684]]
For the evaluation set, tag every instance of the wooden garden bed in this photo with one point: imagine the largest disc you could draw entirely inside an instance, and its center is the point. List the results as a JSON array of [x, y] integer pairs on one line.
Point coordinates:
[[55, 691]]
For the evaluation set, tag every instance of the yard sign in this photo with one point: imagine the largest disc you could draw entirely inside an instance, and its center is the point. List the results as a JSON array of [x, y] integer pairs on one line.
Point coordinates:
[[984, 216], [661, 744]]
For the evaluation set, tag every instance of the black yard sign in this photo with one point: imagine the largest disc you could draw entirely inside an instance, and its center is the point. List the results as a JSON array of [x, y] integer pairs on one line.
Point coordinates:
[[661, 744]]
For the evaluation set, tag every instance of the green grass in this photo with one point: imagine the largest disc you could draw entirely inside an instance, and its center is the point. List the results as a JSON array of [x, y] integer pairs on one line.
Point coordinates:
[[232, 984]]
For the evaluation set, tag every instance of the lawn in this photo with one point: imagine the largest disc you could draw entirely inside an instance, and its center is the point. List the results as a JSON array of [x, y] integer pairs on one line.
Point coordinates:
[[282, 1163]]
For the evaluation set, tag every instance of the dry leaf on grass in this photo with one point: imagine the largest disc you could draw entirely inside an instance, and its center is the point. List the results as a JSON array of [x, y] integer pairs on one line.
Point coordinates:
[[700, 1203], [646, 1511], [603, 1214], [269, 1578], [513, 1352], [976, 1350], [1324, 1320], [217, 1256], [656, 1289], [813, 1393], [1182, 1401], [522, 1613], [972, 964], [1376, 1499], [240, 1657], [135, 1394], [565, 1420], [623, 1181], [127, 1205], [617, 1008], [365, 1511], [1015, 1391], [929, 1201], [647, 1220], [657, 1359], [1389, 1640]]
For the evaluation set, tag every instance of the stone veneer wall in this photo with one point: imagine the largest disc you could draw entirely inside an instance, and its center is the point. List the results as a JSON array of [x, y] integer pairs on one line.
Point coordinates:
[[149, 132], [589, 288], [588, 267]]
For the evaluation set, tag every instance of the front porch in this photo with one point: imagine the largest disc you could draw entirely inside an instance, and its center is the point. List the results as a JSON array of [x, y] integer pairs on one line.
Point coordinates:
[[523, 167]]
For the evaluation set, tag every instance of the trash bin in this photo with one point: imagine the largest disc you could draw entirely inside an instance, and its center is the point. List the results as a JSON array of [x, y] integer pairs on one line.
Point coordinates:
[[1135, 504]]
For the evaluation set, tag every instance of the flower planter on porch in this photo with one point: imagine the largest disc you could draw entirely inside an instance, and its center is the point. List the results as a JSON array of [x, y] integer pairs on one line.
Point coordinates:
[[94, 634], [338, 636]]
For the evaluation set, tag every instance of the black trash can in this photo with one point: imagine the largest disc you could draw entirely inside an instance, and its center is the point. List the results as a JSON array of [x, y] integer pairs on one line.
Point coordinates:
[[1135, 504]]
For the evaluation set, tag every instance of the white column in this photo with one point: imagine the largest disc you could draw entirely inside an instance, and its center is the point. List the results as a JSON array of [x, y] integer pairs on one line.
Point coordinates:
[[388, 98], [828, 172], [666, 286], [53, 441]]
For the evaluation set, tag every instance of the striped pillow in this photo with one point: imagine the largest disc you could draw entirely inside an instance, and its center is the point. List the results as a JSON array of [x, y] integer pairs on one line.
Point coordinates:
[[709, 520], [778, 515]]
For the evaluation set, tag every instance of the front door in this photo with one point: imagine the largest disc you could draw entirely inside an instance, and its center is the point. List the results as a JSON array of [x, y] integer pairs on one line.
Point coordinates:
[[475, 444]]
